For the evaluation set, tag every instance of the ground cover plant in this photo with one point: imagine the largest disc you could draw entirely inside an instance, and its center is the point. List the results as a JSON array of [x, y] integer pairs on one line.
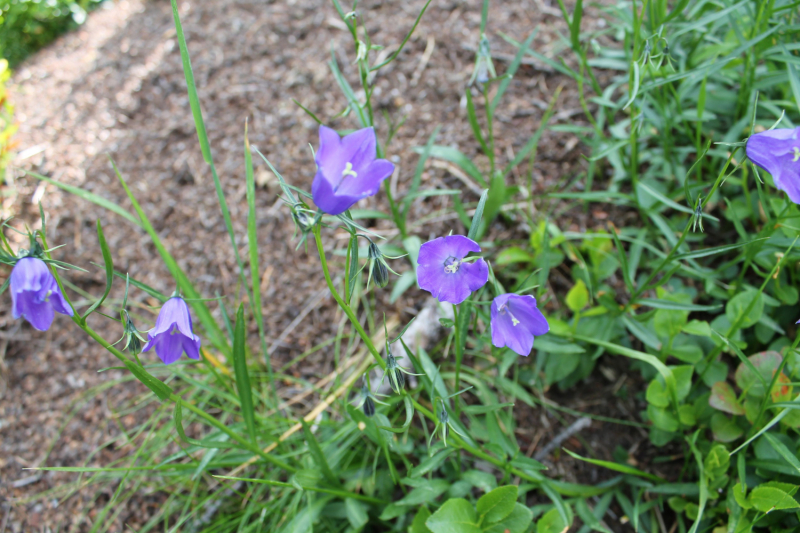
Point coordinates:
[[697, 293]]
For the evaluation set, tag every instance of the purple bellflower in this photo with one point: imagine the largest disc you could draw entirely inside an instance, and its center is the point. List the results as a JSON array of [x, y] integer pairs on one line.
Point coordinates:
[[347, 169], [173, 333], [516, 321], [444, 273], [35, 294], [778, 152]]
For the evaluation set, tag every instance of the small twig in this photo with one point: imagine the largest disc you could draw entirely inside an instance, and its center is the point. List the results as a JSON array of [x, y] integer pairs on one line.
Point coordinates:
[[566, 433]]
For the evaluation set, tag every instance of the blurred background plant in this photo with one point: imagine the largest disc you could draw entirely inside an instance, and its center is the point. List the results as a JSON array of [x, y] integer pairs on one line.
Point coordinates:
[[28, 25]]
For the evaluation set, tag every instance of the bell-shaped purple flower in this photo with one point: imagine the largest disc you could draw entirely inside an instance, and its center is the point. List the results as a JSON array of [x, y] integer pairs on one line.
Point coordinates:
[[516, 321], [778, 152], [35, 294], [347, 169], [173, 333], [443, 272]]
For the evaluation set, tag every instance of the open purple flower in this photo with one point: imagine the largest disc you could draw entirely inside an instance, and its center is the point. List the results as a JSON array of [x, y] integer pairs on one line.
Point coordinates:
[[778, 152], [444, 273], [516, 321], [347, 169], [35, 294], [173, 333]]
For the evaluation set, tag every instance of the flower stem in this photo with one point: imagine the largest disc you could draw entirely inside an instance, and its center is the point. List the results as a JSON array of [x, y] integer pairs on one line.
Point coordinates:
[[344, 305]]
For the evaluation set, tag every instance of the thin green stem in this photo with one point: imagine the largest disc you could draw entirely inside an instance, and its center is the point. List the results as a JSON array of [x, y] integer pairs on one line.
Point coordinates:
[[344, 305]]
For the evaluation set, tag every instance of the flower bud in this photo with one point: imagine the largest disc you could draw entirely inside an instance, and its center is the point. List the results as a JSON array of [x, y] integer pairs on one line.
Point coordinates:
[[396, 378], [302, 219], [378, 270], [133, 339]]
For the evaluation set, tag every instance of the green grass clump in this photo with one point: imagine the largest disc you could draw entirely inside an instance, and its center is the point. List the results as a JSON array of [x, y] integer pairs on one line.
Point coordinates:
[[699, 296]]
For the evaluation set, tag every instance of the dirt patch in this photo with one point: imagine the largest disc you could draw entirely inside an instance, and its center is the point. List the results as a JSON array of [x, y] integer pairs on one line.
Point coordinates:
[[116, 87]]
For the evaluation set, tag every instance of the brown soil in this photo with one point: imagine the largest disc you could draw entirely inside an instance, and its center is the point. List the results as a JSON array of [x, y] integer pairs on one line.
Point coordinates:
[[116, 87]]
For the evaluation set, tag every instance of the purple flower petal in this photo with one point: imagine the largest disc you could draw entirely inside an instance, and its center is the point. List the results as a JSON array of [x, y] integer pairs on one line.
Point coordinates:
[[35, 294], [505, 334], [778, 152], [441, 271], [169, 347], [347, 169], [173, 334], [39, 313], [515, 322]]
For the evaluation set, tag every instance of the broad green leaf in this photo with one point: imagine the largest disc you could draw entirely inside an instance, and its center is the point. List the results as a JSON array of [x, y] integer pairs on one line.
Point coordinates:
[[356, 512], [512, 255], [577, 297], [725, 429], [418, 525], [724, 399], [482, 480], [663, 419], [497, 504], [669, 322], [698, 327], [551, 522], [516, 522], [753, 377], [745, 309], [766, 499], [425, 493], [455, 516], [656, 394], [740, 495], [717, 461], [683, 380]]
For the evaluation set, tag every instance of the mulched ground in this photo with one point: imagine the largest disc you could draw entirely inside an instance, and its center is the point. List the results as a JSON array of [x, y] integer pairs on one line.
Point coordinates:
[[116, 87]]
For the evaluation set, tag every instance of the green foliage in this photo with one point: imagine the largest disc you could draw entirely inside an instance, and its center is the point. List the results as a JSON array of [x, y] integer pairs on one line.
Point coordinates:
[[28, 25]]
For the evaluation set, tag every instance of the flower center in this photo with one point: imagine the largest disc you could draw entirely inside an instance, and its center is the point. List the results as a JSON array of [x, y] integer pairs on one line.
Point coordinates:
[[47, 296], [503, 309], [348, 171], [451, 265], [796, 154], [174, 329]]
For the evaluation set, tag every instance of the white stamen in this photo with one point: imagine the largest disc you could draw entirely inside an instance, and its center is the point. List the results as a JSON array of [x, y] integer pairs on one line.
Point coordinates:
[[796, 154], [348, 171]]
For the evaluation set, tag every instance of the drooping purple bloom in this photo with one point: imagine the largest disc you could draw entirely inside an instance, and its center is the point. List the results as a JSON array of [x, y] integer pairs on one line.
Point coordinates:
[[347, 169], [778, 152], [35, 294], [516, 321], [443, 272], [173, 333]]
